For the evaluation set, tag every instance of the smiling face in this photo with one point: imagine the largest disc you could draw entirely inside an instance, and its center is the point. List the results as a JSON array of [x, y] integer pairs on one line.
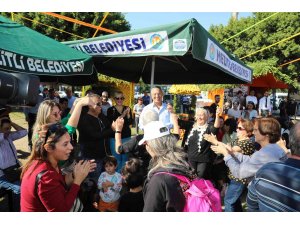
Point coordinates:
[[62, 150], [201, 117], [119, 99], [157, 96], [55, 115], [241, 131]]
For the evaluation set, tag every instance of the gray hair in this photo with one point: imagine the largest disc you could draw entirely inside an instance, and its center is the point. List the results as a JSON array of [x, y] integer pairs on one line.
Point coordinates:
[[148, 116], [295, 139], [165, 150]]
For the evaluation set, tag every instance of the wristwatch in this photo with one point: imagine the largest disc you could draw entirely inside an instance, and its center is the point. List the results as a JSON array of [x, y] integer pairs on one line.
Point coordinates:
[[117, 131]]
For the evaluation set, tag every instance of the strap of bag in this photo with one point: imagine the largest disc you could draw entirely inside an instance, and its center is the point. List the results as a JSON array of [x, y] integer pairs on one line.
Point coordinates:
[[179, 177]]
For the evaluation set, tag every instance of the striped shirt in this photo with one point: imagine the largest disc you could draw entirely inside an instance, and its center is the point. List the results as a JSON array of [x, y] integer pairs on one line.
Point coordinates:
[[276, 188]]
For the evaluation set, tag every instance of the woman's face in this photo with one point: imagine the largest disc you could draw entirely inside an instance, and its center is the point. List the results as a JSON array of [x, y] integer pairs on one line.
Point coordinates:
[[119, 99], [235, 105], [221, 123], [241, 131], [226, 128], [63, 148], [96, 108], [250, 107], [201, 118], [55, 115], [259, 138]]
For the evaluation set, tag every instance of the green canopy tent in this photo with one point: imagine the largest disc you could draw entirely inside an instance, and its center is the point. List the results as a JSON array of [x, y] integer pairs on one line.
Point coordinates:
[[26, 51], [179, 53]]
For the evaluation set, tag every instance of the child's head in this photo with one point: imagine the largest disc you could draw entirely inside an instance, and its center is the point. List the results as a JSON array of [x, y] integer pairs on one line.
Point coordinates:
[[110, 164], [132, 173]]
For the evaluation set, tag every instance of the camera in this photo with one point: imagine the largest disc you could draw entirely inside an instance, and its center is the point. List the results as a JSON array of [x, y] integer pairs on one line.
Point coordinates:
[[17, 89]]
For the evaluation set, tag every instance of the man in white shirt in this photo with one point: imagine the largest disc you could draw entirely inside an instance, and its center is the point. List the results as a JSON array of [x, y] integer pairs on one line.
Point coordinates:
[[8, 157], [264, 108], [158, 106], [251, 98]]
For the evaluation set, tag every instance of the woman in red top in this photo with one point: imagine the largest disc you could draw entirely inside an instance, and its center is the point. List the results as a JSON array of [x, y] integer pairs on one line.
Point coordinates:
[[52, 191]]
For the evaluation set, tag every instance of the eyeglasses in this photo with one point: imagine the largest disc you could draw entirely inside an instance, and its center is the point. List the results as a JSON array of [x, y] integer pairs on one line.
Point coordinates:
[[52, 129], [121, 98], [56, 114], [240, 128]]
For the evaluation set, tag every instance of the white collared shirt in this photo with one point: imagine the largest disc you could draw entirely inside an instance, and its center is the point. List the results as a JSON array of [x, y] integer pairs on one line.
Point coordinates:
[[262, 103], [163, 113]]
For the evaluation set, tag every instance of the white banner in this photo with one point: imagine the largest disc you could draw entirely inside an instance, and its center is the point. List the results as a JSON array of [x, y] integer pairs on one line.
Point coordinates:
[[136, 44], [217, 56]]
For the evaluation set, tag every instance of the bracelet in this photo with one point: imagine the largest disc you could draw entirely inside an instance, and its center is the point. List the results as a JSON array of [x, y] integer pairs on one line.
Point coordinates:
[[117, 131]]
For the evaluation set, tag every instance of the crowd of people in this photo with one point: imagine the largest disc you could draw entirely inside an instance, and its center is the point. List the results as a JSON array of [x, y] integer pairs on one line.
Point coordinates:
[[240, 148]]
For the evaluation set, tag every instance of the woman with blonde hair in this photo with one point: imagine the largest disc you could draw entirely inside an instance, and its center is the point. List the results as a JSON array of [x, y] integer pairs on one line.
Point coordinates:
[[49, 113], [119, 110]]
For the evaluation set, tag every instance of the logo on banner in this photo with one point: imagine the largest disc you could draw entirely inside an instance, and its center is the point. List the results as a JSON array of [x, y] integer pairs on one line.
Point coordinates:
[[179, 45], [156, 40], [212, 51]]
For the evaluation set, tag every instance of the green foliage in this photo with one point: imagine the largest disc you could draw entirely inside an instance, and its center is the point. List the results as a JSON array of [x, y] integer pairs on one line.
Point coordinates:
[[114, 21], [144, 87], [176, 104], [274, 29]]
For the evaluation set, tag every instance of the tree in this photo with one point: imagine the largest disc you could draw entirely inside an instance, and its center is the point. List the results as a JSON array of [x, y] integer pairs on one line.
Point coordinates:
[[274, 29], [114, 21]]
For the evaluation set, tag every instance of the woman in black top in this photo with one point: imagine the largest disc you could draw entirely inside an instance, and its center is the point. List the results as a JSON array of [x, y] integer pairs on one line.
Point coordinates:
[[120, 110], [94, 130], [200, 155]]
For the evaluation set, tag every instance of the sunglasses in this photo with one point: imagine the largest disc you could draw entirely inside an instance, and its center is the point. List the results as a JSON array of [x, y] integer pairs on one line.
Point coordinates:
[[240, 128], [98, 104], [121, 98], [52, 129]]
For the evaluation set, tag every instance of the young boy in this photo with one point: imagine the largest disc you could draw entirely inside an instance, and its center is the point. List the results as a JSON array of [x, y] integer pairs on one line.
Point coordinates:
[[133, 175], [110, 185]]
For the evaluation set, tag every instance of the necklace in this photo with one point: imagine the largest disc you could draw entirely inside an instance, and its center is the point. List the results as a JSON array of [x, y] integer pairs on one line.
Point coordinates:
[[200, 130]]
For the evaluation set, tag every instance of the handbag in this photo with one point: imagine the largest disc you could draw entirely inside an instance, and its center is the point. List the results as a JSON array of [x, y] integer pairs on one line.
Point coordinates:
[[12, 173]]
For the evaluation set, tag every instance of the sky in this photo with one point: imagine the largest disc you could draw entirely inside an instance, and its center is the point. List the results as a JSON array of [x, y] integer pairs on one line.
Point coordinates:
[[206, 19]]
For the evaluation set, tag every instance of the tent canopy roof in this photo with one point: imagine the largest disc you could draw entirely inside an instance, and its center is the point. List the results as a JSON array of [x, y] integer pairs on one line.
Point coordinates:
[[183, 53]]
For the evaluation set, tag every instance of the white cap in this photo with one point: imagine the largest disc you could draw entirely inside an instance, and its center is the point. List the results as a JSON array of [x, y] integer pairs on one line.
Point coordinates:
[[154, 129]]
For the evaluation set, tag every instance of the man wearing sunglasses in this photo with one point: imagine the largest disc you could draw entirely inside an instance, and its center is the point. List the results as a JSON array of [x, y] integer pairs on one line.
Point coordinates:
[[158, 106]]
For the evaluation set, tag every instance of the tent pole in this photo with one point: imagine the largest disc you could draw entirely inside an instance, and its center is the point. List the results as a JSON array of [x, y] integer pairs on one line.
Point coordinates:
[[152, 74]]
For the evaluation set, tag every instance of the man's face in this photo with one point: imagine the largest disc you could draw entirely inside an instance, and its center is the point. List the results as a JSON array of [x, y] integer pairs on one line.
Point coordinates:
[[69, 94], [156, 95], [266, 94], [5, 129], [104, 97], [217, 99]]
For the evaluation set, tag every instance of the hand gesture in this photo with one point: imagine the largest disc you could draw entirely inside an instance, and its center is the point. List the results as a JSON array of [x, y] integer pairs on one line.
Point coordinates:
[[119, 124], [218, 111], [211, 138], [81, 170]]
